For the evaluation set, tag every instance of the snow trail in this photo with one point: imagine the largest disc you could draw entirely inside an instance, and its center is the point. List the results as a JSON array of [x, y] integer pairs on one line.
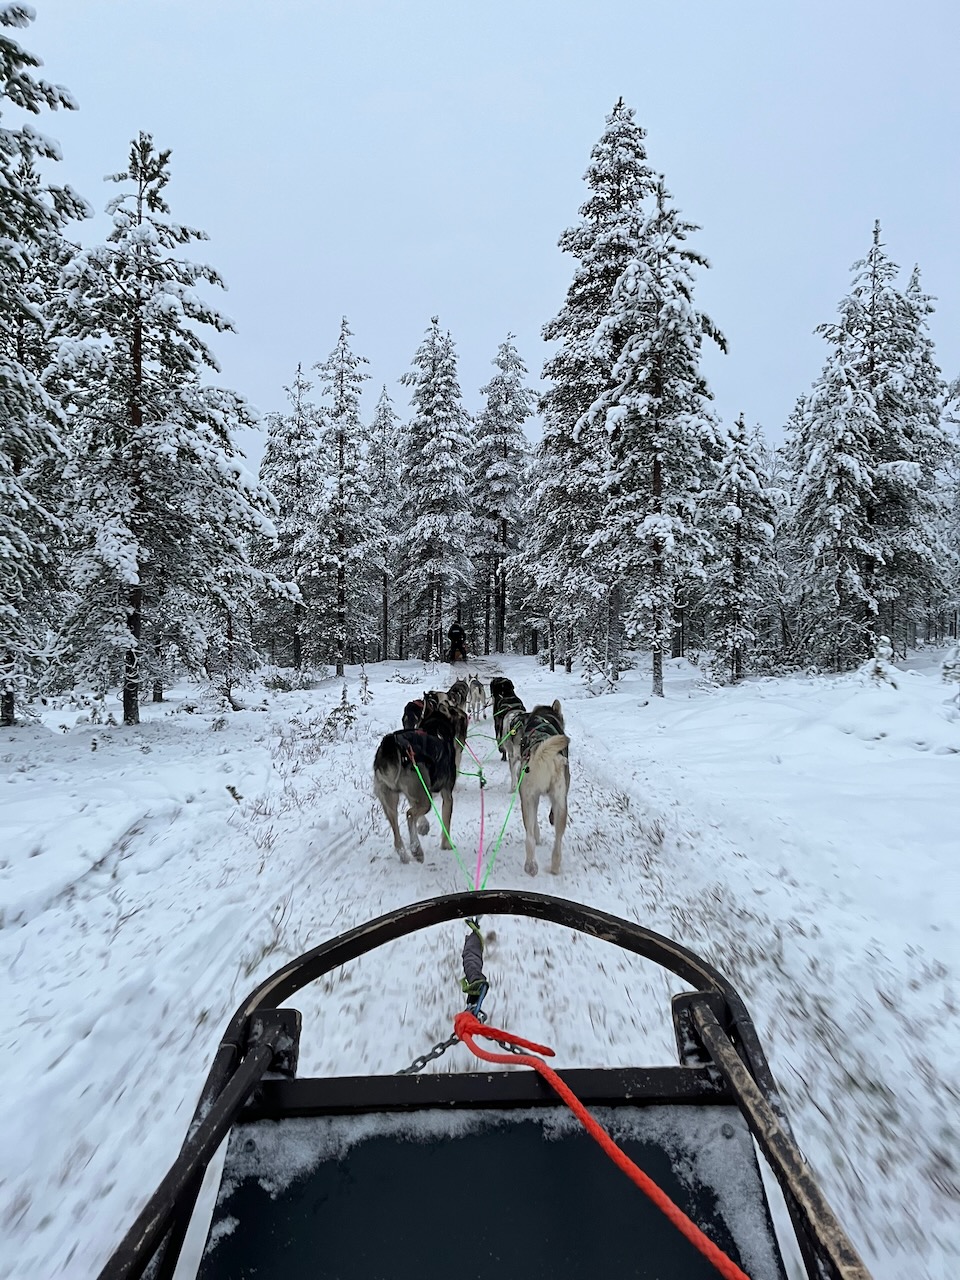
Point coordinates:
[[235, 850]]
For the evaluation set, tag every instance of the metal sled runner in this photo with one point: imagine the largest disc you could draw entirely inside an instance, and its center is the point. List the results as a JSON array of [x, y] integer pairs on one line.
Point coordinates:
[[486, 1174]]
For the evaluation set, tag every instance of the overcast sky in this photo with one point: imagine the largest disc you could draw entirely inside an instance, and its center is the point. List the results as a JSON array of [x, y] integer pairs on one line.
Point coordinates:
[[394, 159]]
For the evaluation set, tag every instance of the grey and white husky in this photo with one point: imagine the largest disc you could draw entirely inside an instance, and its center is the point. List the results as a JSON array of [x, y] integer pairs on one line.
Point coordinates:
[[545, 766], [476, 699]]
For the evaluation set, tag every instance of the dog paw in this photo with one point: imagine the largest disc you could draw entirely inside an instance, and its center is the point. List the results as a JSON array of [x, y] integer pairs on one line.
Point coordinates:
[[423, 826], [417, 854], [445, 843], [404, 856], [531, 868]]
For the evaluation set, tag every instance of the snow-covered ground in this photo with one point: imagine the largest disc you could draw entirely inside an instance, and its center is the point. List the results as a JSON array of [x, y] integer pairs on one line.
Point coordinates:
[[799, 833]]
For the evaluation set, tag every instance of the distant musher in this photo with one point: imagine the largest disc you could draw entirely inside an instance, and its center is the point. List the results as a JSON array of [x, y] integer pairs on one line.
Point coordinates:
[[458, 644]]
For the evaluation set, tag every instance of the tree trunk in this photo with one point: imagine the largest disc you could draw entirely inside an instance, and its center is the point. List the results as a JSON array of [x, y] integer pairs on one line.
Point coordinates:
[[7, 701], [738, 585], [488, 591], [659, 605], [158, 690], [297, 640], [676, 638], [385, 618], [131, 659], [568, 656], [657, 688], [341, 558], [614, 633], [552, 643], [500, 589]]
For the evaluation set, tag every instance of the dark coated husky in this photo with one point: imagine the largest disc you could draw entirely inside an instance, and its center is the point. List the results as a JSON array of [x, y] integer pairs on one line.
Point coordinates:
[[457, 693], [507, 709], [432, 749]]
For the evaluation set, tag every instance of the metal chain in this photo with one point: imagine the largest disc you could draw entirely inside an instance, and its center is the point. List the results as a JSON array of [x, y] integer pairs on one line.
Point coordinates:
[[441, 1048], [437, 1051]]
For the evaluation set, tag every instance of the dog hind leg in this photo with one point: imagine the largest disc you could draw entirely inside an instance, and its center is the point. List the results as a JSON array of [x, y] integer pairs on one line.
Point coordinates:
[[389, 800], [529, 803], [447, 817], [416, 815], [558, 816]]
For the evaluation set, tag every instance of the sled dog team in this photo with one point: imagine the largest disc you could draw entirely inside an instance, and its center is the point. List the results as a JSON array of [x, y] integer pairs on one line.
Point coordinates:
[[423, 758]]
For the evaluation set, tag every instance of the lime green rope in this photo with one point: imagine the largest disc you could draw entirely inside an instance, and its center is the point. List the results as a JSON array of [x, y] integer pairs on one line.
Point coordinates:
[[496, 847], [443, 828]]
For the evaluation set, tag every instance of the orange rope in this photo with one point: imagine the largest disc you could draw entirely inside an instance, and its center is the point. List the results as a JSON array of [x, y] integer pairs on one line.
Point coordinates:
[[467, 1026]]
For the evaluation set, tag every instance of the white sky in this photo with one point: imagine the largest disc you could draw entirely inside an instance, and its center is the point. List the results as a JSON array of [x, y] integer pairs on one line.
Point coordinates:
[[391, 161]]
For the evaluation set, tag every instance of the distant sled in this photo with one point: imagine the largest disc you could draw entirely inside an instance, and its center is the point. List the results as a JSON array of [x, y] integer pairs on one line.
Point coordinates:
[[487, 1174]]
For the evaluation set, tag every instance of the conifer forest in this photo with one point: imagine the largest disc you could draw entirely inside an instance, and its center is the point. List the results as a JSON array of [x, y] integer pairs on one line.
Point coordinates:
[[608, 512]]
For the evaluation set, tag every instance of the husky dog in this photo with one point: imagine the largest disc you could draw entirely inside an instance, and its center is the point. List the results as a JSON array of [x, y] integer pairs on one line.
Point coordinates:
[[508, 710], [458, 693], [476, 699], [435, 701], [545, 768], [413, 713], [432, 748]]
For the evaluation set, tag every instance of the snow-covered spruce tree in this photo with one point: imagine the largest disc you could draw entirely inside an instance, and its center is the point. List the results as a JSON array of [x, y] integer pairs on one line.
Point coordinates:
[[663, 437], [740, 579], [342, 608], [31, 452], [289, 470], [163, 512], [437, 525], [916, 547], [383, 480], [950, 496], [834, 506], [499, 463], [572, 457], [889, 353]]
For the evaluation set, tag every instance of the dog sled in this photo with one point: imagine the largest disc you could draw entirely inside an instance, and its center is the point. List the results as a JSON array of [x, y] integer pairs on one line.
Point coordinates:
[[488, 1173]]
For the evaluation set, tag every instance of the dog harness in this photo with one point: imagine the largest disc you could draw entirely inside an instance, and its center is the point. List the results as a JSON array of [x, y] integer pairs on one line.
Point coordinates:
[[538, 727]]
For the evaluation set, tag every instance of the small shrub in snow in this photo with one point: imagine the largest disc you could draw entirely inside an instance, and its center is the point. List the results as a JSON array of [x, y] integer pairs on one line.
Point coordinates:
[[711, 667], [951, 670], [406, 677], [289, 679], [340, 720], [596, 678], [877, 669]]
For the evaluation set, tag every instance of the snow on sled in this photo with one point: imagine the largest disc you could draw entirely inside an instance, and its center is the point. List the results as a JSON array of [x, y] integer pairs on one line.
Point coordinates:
[[489, 1173]]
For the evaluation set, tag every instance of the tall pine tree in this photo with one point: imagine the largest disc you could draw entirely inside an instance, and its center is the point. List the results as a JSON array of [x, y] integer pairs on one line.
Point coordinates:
[[834, 506], [289, 470], [342, 592], [888, 386], [576, 593], [663, 437], [741, 569], [383, 480], [31, 452], [437, 572], [499, 463], [163, 512]]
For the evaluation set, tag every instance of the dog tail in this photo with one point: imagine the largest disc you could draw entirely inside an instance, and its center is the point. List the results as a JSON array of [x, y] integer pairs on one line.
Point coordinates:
[[549, 750], [389, 760]]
